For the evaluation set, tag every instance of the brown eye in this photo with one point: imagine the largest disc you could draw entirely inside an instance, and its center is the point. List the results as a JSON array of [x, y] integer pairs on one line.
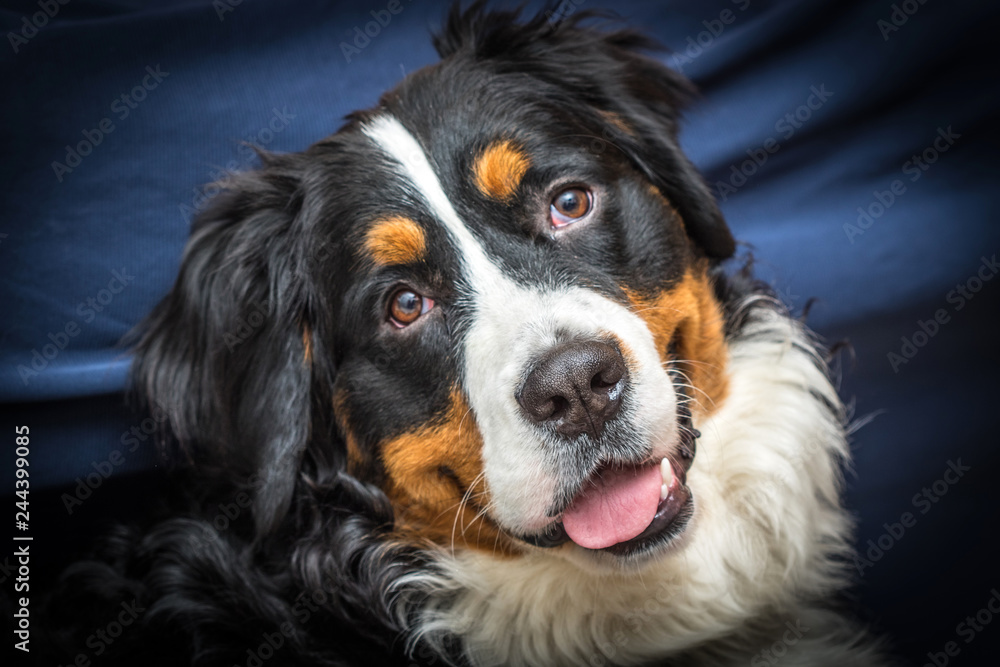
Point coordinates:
[[569, 206], [406, 306]]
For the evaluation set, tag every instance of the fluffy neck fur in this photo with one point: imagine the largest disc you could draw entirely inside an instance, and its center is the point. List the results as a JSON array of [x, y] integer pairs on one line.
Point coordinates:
[[762, 551]]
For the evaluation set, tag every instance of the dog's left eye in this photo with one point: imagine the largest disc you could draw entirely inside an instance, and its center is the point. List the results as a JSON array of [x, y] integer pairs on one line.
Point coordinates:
[[406, 307], [569, 206]]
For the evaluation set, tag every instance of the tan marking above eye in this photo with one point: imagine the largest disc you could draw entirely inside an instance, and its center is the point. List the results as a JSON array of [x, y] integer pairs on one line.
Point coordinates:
[[499, 169], [395, 240], [689, 313], [616, 120]]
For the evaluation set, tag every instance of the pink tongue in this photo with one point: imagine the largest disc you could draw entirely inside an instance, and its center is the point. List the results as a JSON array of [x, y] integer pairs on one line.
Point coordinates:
[[614, 507]]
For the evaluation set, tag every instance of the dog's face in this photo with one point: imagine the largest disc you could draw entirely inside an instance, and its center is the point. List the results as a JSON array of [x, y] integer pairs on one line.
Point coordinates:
[[488, 297]]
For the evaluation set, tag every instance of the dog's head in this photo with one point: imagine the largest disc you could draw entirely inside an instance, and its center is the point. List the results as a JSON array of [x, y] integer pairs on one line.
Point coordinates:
[[488, 297]]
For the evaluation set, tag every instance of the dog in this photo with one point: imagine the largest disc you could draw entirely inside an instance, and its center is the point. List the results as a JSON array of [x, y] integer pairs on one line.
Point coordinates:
[[468, 382]]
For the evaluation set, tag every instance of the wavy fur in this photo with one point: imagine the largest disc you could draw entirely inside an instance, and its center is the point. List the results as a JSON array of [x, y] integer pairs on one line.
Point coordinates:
[[314, 570]]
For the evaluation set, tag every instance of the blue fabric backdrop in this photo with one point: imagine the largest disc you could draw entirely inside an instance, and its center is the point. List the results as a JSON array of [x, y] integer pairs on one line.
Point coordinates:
[[851, 145]]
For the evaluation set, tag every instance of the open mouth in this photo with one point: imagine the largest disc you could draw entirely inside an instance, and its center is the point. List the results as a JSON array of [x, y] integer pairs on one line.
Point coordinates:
[[628, 510]]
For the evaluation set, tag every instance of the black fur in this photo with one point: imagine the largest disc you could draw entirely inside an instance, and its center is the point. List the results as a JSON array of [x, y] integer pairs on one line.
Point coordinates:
[[310, 559], [607, 70]]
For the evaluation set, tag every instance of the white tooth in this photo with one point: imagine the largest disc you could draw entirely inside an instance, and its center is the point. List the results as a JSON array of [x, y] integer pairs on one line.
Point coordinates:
[[664, 491], [667, 472]]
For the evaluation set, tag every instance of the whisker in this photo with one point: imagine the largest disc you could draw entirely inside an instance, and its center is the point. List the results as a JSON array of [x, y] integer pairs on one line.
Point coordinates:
[[466, 497], [645, 309], [686, 382]]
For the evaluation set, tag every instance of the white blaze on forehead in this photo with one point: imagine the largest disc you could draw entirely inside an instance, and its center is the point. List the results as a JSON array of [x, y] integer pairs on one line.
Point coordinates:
[[512, 325], [394, 139], [512, 468]]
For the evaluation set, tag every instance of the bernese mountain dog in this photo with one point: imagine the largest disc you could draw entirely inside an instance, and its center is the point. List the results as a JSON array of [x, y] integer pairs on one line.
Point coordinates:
[[466, 383]]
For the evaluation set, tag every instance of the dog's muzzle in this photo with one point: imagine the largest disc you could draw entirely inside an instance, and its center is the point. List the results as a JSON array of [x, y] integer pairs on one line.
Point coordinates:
[[624, 506]]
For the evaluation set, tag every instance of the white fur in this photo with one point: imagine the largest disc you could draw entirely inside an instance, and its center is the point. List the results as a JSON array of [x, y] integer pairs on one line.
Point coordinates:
[[759, 552], [767, 526], [512, 326]]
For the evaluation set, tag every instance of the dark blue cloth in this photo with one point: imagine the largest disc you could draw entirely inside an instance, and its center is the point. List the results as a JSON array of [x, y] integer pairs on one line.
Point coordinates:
[[852, 146]]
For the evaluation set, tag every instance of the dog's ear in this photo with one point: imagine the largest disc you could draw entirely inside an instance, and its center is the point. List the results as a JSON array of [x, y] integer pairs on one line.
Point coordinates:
[[225, 357], [649, 96], [637, 98]]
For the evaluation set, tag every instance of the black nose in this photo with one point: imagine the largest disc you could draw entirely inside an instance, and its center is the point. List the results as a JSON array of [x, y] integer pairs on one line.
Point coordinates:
[[576, 387]]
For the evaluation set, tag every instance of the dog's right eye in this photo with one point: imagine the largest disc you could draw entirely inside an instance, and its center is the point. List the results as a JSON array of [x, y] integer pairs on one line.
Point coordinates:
[[406, 307], [569, 206]]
